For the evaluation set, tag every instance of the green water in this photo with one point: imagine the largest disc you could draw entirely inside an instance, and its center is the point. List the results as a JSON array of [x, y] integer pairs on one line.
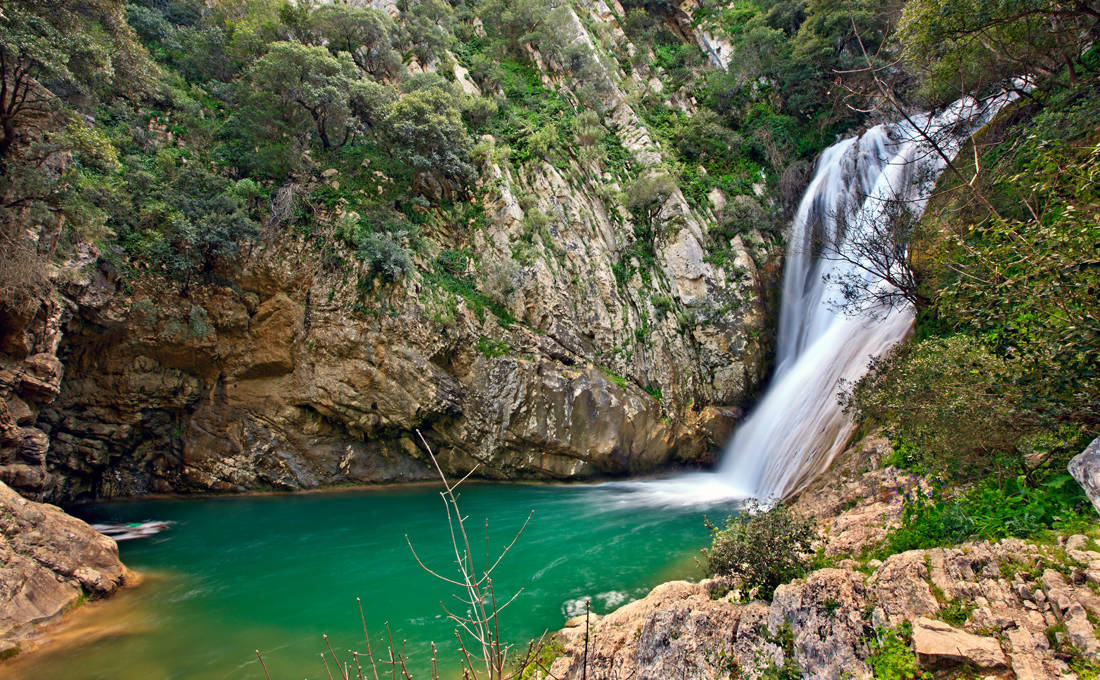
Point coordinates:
[[275, 572]]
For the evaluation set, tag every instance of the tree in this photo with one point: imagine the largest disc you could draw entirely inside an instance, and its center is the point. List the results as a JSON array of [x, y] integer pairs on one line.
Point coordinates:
[[427, 26], [367, 34], [28, 51], [973, 44], [879, 277], [309, 87], [53, 53], [426, 132], [647, 195]]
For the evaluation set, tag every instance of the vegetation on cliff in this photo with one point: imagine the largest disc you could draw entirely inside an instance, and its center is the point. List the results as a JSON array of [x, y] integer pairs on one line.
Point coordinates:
[[998, 388]]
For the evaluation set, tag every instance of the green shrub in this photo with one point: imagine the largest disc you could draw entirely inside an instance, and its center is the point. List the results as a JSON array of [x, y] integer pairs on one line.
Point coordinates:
[[957, 612], [991, 510], [762, 548], [492, 349], [385, 257], [891, 656]]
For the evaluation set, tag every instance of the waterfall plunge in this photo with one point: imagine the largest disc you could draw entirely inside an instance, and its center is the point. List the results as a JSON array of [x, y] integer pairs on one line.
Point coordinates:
[[798, 426]]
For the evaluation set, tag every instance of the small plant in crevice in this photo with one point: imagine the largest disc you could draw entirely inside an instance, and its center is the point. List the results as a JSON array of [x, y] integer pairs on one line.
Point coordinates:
[[789, 668], [892, 658], [957, 612]]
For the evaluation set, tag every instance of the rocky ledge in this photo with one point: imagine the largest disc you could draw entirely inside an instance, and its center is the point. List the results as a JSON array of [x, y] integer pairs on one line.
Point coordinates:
[[50, 563], [1011, 609], [1008, 609]]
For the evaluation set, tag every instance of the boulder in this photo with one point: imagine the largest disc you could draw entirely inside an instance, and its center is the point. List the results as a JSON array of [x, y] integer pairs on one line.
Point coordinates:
[[939, 645], [49, 561], [1085, 468]]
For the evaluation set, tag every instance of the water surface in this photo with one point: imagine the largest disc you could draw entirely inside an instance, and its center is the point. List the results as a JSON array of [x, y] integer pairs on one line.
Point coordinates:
[[274, 572]]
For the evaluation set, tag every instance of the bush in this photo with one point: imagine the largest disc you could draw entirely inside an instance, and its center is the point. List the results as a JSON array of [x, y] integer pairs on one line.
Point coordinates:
[[742, 215], [762, 548], [991, 511], [891, 656], [384, 256]]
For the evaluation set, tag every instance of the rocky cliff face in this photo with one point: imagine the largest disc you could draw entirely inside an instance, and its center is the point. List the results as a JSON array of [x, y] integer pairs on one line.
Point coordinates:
[[1008, 609], [288, 374]]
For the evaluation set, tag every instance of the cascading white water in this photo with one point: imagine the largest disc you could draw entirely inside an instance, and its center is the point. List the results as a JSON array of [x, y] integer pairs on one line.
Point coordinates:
[[799, 426]]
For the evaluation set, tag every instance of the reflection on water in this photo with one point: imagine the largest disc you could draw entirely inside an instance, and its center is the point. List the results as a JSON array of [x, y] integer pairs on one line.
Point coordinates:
[[275, 572]]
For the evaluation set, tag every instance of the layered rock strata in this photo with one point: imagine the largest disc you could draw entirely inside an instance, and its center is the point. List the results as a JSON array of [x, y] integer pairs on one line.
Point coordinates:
[[284, 370], [49, 562]]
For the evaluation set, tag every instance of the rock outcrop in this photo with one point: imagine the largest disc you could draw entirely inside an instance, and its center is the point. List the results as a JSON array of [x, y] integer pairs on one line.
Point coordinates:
[[49, 562], [1007, 609], [1085, 468]]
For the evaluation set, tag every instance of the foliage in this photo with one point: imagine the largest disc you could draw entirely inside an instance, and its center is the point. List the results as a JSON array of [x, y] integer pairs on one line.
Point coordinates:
[[993, 509], [926, 390], [452, 274], [365, 33], [52, 50], [181, 219], [427, 28], [384, 256], [789, 668], [647, 195], [971, 45], [957, 612], [892, 657], [742, 215], [761, 547], [492, 349], [999, 387], [426, 131], [307, 87]]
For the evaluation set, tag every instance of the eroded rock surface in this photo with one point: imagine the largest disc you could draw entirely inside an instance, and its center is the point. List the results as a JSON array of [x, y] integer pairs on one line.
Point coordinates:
[[291, 371], [48, 562], [1004, 600], [1085, 468]]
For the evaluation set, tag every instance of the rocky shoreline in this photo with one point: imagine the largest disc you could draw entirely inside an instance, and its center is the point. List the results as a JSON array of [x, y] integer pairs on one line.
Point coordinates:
[[1007, 609], [52, 562]]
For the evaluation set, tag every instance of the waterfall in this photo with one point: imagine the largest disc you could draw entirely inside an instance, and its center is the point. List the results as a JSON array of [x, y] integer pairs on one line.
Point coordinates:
[[799, 426]]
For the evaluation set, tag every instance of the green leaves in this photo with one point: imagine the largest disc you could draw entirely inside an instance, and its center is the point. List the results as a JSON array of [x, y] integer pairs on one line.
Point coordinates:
[[426, 131], [761, 547], [992, 510], [309, 87], [368, 35], [960, 46]]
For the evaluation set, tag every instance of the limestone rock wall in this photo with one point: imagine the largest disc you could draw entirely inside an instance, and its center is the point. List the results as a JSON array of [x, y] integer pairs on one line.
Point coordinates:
[[286, 374], [1013, 609]]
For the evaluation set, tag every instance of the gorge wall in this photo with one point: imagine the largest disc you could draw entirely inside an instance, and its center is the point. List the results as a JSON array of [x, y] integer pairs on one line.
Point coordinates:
[[288, 372]]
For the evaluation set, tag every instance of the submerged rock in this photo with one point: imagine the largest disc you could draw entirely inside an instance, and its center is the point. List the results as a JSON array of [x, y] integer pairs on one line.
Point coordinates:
[[49, 562]]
